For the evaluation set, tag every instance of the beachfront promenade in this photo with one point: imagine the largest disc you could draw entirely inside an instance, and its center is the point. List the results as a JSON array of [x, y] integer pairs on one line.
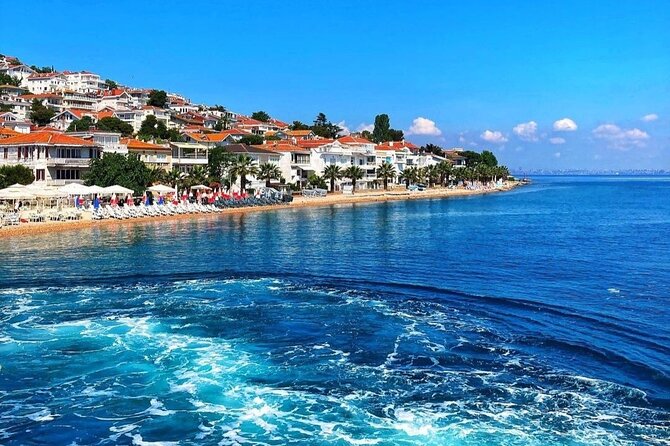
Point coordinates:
[[72, 218]]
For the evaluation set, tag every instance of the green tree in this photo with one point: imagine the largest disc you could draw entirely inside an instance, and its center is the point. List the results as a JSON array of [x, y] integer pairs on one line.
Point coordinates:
[[243, 167], [219, 163], [321, 120], [331, 173], [382, 126], [6, 79], [471, 158], [432, 148], [297, 125], [197, 175], [354, 173], [114, 124], [260, 116], [251, 140], [42, 70], [445, 170], [174, 135], [152, 128], [115, 168], [158, 98], [40, 114], [324, 128], [110, 84], [15, 174], [367, 134], [433, 175], [174, 177], [396, 135], [487, 157], [157, 174], [268, 172], [315, 181], [80, 125], [386, 172], [410, 175]]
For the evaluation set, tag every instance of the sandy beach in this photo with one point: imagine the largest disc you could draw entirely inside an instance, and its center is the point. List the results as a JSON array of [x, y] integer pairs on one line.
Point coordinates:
[[400, 193]]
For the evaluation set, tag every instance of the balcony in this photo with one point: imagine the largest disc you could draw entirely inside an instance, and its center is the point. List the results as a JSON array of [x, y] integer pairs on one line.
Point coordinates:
[[69, 162]]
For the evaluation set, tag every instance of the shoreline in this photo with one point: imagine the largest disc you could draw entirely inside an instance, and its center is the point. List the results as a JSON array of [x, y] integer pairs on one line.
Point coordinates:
[[28, 229]]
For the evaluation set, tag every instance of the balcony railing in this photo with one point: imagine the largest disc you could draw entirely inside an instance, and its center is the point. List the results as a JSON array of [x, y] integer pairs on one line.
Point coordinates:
[[75, 162]]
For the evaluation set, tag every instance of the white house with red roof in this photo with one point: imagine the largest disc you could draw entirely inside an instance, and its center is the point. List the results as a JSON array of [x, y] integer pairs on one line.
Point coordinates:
[[116, 98], [20, 71], [14, 122], [83, 81], [38, 83], [53, 157]]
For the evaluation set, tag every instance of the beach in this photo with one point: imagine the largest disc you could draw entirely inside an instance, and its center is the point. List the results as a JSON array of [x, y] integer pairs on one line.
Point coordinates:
[[363, 196]]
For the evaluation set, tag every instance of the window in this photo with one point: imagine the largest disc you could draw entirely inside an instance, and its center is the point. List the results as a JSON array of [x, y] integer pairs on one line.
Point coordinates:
[[40, 175], [5, 153]]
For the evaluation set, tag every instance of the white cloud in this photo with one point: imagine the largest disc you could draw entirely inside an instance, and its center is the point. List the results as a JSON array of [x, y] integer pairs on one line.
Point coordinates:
[[557, 140], [557, 154], [424, 126], [565, 125], [650, 117], [493, 136], [461, 139], [526, 131], [345, 130], [363, 126], [619, 138]]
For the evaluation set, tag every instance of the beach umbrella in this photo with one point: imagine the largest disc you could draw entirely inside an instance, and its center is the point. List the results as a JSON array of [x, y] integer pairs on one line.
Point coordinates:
[[74, 189], [161, 189], [16, 194], [201, 187], [116, 189], [96, 189]]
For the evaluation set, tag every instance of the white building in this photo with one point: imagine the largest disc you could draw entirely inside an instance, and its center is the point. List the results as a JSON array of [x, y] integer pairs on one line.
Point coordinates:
[[21, 72], [346, 152], [83, 81], [110, 142], [46, 83]]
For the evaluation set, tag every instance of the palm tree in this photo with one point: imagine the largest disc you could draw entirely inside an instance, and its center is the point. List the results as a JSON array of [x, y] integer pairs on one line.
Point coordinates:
[[433, 174], [386, 172], [332, 173], [268, 172], [156, 174], [446, 170], [354, 173], [174, 176], [197, 175], [409, 175], [244, 166], [421, 175]]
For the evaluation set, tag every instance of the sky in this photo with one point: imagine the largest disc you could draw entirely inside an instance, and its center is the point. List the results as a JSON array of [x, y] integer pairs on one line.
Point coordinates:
[[574, 84]]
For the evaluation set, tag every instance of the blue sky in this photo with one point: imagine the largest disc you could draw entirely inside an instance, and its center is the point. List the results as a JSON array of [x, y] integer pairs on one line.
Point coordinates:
[[472, 71]]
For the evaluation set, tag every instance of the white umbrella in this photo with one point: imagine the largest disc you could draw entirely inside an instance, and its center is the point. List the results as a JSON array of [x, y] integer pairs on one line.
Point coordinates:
[[15, 194], [161, 188], [96, 189], [200, 186], [116, 189], [74, 189]]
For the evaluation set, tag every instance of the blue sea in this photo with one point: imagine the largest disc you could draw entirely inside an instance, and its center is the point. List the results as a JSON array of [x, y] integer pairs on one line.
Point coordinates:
[[539, 316]]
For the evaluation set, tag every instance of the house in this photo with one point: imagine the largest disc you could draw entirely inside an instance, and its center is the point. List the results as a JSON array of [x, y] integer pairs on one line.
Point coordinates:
[[294, 161], [84, 101], [259, 154], [109, 141], [10, 97], [7, 133], [299, 134], [153, 155], [38, 83], [20, 71], [53, 157], [254, 126], [83, 81], [13, 121], [116, 98], [187, 155], [51, 100], [62, 120], [454, 155]]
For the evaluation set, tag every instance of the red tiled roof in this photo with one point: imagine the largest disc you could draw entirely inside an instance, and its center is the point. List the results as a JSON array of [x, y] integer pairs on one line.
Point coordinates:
[[353, 140], [136, 144], [314, 142], [7, 133], [45, 137]]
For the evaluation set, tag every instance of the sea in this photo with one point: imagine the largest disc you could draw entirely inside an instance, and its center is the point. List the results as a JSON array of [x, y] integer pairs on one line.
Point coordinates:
[[538, 316]]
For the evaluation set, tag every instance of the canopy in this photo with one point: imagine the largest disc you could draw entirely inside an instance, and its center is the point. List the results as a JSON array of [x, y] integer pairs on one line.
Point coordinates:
[[200, 186], [116, 189], [15, 194], [48, 193], [74, 189], [161, 188], [96, 189]]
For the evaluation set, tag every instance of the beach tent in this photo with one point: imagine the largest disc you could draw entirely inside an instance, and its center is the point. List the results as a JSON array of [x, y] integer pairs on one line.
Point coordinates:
[[74, 189], [161, 189], [116, 189], [200, 187], [96, 190], [12, 193]]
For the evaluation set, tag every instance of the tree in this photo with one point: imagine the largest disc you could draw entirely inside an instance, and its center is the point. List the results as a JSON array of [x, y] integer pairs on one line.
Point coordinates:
[[367, 135], [40, 114], [316, 181], [445, 170], [297, 125], [152, 128], [251, 140], [15, 174], [219, 163], [243, 167], [174, 177], [433, 175], [158, 98], [386, 172], [410, 175], [6, 79], [80, 125], [380, 133], [260, 116], [354, 173], [332, 172], [432, 148], [471, 158], [115, 168], [320, 120], [110, 84], [268, 172], [175, 135], [487, 157], [156, 174], [197, 175], [396, 135], [114, 124], [42, 69], [324, 128]]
